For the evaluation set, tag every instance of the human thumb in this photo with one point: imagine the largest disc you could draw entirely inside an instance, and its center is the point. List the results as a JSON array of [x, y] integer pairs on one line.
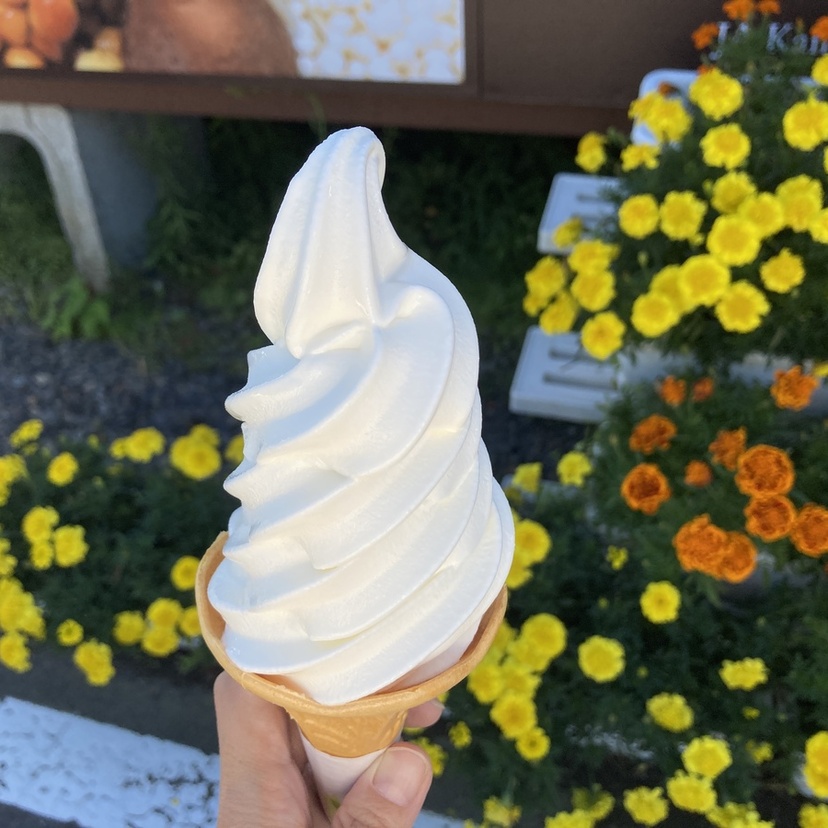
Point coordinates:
[[390, 793]]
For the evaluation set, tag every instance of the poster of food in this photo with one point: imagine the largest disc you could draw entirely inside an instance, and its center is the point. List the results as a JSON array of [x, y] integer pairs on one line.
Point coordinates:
[[412, 41]]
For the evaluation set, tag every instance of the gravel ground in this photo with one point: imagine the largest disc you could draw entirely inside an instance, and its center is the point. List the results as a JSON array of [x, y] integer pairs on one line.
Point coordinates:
[[78, 388]]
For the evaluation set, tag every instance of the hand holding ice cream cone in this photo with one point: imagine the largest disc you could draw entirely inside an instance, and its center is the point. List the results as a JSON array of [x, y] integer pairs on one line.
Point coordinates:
[[363, 572]]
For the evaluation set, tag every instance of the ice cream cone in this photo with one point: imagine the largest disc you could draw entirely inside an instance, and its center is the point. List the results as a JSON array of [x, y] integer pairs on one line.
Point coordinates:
[[359, 727]]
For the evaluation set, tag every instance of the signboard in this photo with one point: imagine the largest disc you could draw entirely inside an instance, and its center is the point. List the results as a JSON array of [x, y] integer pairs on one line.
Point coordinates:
[[400, 41]]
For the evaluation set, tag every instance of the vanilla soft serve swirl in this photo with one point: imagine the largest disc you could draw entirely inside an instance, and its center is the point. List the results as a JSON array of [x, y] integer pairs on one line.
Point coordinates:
[[371, 537]]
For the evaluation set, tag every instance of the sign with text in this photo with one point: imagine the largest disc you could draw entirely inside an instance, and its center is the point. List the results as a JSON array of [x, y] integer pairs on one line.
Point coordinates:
[[410, 41]]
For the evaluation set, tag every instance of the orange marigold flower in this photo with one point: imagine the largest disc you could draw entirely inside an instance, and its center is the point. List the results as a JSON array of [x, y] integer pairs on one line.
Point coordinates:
[[700, 545], [768, 6], [645, 488], [810, 532], [728, 447], [672, 390], [764, 470], [698, 473], [653, 432], [702, 389], [820, 28], [793, 389], [739, 559], [770, 518], [705, 35], [738, 9]]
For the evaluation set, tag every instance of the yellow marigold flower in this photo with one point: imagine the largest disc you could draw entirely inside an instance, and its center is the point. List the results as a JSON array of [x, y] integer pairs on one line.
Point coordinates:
[[12, 468], [573, 468], [617, 557], [653, 314], [818, 228], [436, 754], [532, 306], [118, 448], [731, 190], [745, 674], [533, 540], [646, 806], [498, 813], [188, 623], [194, 457], [813, 816], [159, 641], [62, 469], [783, 272], [513, 714], [504, 636], [760, 752], [816, 751], [601, 659], [691, 793], [533, 745], [460, 735], [735, 814], [519, 574], [734, 240], [94, 659], [32, 622], [164, 612], [485, 682], [205, 433], [234, 450], [805, 124], [706, 756], [668, 118], [801, 199], [603, 334], [742, 307], [560, 314], [703, 280], [667, 282], [545, 635], [765, 212], [129, 628], [825, 160], [69, 633], [725, 146], [640, 155], [681, 214], [183, 572], [527, 477], [567, 233], [142, 445], [819, 71], [38, 523], [8, 562], [519, 678], [816, 780], [591, 154], [546, 278], [660, 602], [751, 713], [597, 802], [592, 255], [14, 652], [41, 555], [573, 819], [717, 95], [593, 289], [70, 545], [27, 432], [671, 712], [638, 216]]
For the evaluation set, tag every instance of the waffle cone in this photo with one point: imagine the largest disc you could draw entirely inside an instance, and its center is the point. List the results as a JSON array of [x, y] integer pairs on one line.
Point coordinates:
[[347, 730]]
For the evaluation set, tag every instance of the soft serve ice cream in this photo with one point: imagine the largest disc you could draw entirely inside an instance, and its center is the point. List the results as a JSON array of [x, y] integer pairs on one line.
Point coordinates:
[[371, 537]]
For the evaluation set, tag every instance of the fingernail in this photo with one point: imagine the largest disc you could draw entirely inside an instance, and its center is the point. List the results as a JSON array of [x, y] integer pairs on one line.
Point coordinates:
[[400, 775]]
